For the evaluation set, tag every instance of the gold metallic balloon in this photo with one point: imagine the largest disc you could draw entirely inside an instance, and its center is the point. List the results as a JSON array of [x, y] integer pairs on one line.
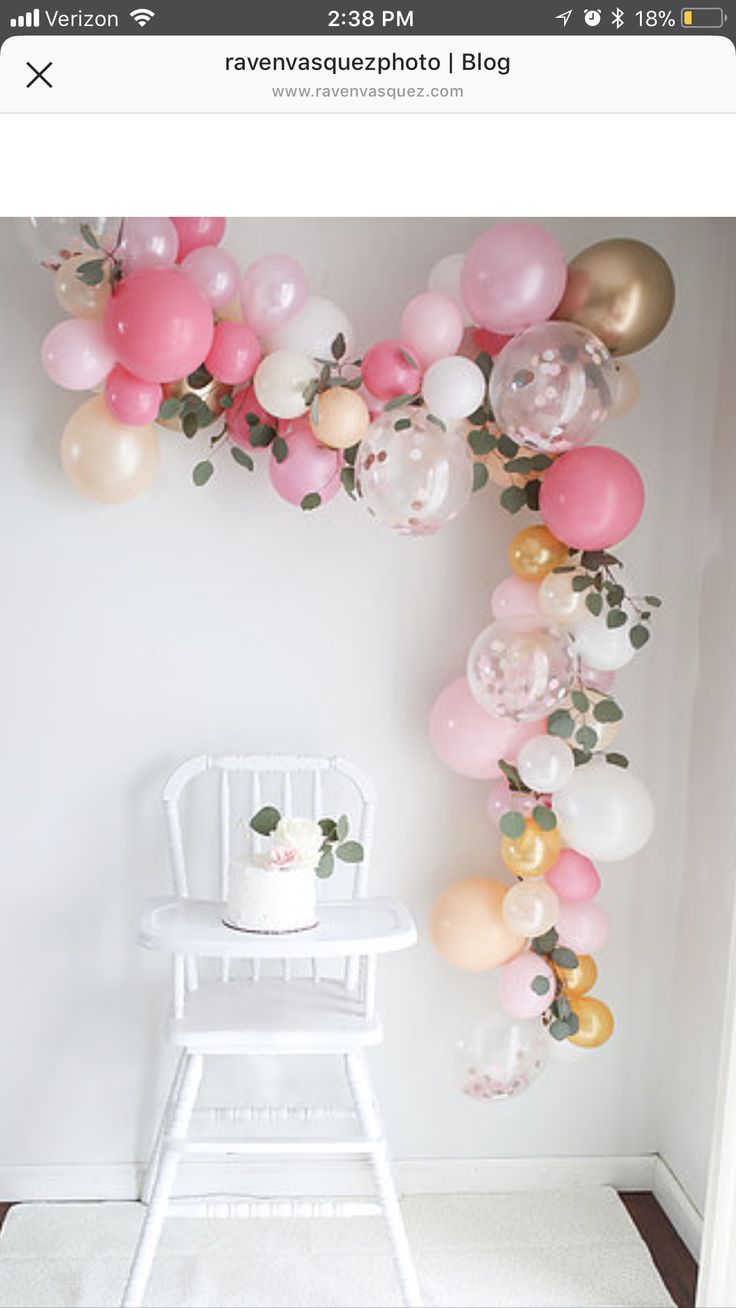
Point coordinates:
[[211, 394], [342, 418], [596, 1022], [535, 551], [579, 980], [74, 295], [622, 290], [104, 459], [533, 852], [468, 928]]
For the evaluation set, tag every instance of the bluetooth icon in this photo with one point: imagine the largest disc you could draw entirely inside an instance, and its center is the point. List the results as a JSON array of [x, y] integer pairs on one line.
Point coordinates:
[[618, 17]]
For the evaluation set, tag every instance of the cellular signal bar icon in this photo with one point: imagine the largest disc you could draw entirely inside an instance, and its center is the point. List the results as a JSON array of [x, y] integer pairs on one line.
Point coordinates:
[[32, 18]]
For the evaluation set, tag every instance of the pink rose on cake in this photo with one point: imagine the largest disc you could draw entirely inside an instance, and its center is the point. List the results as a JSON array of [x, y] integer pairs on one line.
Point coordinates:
[[297, 842]]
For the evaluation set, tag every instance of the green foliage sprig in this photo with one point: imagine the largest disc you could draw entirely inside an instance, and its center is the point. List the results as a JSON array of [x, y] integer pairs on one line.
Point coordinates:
[[594, 574], [578, 724], [559, 1018], [485, 437], [335, 843], [106, 265]]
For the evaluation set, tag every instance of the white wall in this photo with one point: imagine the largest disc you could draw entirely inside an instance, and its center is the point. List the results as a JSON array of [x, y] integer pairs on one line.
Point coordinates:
[[221, 619]]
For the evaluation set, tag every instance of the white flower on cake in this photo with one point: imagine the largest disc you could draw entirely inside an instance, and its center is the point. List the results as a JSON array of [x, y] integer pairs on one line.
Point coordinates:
[[297, 842]]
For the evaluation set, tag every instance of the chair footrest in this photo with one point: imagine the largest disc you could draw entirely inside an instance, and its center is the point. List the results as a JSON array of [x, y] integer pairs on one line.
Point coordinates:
[[214, 1206], [306, 1113], [282, 1145]]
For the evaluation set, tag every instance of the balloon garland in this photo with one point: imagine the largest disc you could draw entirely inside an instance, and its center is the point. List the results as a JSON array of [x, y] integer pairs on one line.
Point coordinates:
[[163, 322]]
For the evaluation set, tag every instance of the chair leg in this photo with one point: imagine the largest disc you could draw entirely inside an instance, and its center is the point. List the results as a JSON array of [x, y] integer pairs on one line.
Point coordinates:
[[370, 1121], [164, 1125], [150, 1234]]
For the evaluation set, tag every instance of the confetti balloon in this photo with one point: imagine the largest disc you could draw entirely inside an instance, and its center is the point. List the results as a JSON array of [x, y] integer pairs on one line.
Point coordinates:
[[413, 476], [553, 386], [52, 240], [500, 1058], [521, 670]]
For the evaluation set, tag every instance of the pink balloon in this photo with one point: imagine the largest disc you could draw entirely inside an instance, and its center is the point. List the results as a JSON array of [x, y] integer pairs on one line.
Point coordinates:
[[513, 276], [76, 354], [597, 679], [214, 271], [582, 927], [195, 232], [388, 372], [309, 468], [471, 741], [235, 353], [131, 400], [514, 597], [159, 325], [573, 878], [273, 289], [502, 799], [433, 326], [515, 993], [591, 498], [148, 243], [236, 418]]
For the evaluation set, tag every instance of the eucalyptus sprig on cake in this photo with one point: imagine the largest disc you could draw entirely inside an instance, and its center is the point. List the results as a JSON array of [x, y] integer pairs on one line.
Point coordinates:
[[326, 840]]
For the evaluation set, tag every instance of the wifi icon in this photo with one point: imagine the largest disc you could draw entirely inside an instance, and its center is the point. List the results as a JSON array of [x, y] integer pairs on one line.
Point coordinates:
[[141, 16]]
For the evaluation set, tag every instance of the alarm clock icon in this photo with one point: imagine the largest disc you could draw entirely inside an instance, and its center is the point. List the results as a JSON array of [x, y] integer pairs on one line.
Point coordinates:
[[592, 17]]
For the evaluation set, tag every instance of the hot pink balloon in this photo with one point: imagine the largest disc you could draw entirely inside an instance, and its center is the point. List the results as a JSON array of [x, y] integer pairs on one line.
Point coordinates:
[[591, 498], [513, 276], [471, 741], [515, 979], [214, 271], [502, 799], [309, 468], [433, 326], [195, 232], [236, 418], [582, 927], [273, 289], [77, 355], [235, 353], [514, 597], [597, 679], [131, 400], [159, 325], [573, 878], [148, 243], [388, 370]]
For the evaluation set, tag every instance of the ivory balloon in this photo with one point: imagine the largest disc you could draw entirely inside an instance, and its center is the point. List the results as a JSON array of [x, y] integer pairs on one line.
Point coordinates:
[[605, 812], [280, 382], [342, 418], [595, 1019], [559, 601], [531, 908], [532, 853], [74, 295], [621, 289], [545, 764], [603, 647], [579, 980], [453, 388], [105, 460], [468, 928], [312, 329], [535, 551]]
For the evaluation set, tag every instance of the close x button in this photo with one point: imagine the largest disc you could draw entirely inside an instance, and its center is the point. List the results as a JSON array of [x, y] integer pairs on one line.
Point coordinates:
[[39, 74]]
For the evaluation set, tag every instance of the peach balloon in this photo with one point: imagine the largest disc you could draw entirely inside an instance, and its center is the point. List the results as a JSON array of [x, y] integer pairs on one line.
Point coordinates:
[[532, 853], [342, 418], [74, 295], [596, 1022], [535, 551], [468, 928], [104, 459]]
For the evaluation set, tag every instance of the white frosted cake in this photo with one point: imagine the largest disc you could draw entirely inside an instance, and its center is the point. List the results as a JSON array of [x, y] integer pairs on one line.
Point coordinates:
[[271, 899]]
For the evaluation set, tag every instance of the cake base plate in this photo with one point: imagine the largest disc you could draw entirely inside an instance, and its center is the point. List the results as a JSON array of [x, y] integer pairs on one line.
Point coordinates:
[[254, 931]]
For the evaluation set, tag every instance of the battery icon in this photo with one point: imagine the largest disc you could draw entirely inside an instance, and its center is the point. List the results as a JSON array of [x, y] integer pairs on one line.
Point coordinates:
[[702, 17]]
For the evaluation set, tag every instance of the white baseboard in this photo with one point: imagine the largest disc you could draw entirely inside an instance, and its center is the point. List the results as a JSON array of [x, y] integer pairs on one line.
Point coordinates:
[[415, 1176], [681, 1211]]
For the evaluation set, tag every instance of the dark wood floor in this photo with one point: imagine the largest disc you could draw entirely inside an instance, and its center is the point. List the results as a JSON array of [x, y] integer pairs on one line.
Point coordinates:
[[673, 1261]]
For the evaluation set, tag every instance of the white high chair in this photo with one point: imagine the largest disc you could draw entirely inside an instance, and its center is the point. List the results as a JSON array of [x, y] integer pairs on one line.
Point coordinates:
[[291, 1001]]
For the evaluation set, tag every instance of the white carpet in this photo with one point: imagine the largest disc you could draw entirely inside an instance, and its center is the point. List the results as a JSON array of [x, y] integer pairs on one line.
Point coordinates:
[[573, 1249]]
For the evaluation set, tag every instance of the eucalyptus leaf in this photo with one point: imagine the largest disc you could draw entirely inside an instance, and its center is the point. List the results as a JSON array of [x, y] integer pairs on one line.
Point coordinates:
[[280, 449], [616, 618], [513, 498], [560, 723], [559, 1030], [512, 825], [189, 425], [338, 347], [544, 817], [311, 501], [347, 479], [586, 737], [481, 441], [540, 985], [350, 851], [326, 865], [594, 603], [200, 378], [507, 447], [618, 760], [480, 476], [342, 828], [607, 710], [242, 457], [639, 635], [169, 409], [202, 472], [266, 820], [564, 957], [580, 701], [653, 601], [545, 943], [88, 236]]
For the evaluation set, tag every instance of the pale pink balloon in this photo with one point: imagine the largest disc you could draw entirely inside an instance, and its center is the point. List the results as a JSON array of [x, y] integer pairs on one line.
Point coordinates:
[[514, 597], [432, 324], [273, 289], [471, 741], [195, 232], [214, 271], [597, 679], [515, 993], [77, 355], [131, 400], [390, 369], [591, 498], [573, 878], [309, 468], [583, 927], [236, 419], [513, 276], [235, 353], [158, 324], [148, 243], [502, 799]]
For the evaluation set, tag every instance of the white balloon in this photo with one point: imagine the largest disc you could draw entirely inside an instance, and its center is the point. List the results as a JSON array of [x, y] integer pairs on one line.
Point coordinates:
[[445, 280], [453, 387], [280, 381], [545, 764], [313, 329], [559, 601], [602, 647], [605, 812], [530, 907]]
